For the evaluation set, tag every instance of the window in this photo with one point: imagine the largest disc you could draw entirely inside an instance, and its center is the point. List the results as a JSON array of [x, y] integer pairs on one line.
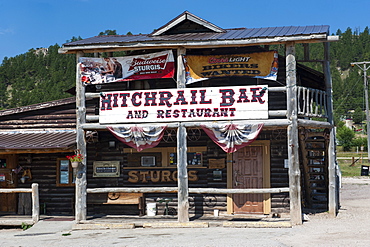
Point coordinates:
[[163, 157], [193, 158], [65, 173]]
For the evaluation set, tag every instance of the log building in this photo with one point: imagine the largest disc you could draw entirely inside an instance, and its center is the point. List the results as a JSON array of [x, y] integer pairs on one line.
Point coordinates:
[[197, 118]]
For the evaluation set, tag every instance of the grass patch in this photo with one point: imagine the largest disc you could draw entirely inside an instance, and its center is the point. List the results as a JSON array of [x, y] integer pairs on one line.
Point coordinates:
[[351, 171], [351, 154], [25, 226]]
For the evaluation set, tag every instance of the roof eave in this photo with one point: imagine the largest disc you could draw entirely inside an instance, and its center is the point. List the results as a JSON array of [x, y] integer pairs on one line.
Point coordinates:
[[37, 150], [155, 44], [187, 16], [37, 106]]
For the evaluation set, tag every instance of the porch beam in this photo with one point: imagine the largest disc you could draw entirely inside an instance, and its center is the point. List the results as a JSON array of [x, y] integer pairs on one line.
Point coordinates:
[[292, 108], [314, 38], [270, 89], [268, 123], [35, 151], [191, 190]]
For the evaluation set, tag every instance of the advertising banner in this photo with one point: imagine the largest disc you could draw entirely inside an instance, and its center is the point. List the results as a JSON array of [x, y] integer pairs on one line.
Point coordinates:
[[114, 69], [188, 104], [258, 65]]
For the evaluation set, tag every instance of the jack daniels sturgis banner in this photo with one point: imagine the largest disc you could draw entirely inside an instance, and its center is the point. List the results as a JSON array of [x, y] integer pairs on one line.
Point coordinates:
[[114, 69], [257, 65], [161, 65]]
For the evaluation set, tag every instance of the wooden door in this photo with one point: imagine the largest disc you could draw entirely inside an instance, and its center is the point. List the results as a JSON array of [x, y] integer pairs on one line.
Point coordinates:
[[248, 174], [8, 179]]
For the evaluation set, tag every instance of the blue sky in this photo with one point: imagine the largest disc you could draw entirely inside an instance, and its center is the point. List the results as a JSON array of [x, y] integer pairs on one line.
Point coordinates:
[[26, 24]]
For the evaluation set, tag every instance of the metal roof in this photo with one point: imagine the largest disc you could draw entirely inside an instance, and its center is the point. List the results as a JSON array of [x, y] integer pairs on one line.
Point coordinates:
[[230, 34], [37, 106], [37, 139]]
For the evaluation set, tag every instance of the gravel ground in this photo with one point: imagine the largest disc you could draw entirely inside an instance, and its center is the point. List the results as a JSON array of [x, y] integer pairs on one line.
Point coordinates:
[[349, 228]]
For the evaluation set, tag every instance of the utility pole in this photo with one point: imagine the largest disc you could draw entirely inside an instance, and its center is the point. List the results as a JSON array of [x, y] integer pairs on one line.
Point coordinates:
[[364, 66]]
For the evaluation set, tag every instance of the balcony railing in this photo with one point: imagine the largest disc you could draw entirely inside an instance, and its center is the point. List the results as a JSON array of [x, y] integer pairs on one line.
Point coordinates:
[[311, 102]]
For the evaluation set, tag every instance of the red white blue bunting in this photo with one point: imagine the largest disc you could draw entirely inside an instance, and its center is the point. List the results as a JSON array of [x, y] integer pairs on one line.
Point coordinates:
[[139, 137], [231, 137]]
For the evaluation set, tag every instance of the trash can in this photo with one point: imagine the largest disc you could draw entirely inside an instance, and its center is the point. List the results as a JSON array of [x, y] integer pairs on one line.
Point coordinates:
[[151, 208], [364, 170]]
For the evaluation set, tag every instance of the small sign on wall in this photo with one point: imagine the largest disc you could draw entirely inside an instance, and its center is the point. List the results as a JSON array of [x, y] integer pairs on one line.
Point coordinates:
[[106, 169], [2, 177], [216, 163], [286, 163]]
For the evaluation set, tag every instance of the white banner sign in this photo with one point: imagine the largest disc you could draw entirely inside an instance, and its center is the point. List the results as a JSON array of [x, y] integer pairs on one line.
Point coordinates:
[[188, 104]]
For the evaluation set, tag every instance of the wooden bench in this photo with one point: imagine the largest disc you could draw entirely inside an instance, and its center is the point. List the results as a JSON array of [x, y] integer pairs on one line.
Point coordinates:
[[118, 198]]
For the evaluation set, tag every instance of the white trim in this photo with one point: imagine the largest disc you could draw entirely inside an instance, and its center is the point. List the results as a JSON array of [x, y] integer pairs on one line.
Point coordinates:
[[190, 17], [155, 44]]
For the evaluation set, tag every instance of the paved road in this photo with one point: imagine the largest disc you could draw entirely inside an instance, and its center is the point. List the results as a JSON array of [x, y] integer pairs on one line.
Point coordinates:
[[350, 228]]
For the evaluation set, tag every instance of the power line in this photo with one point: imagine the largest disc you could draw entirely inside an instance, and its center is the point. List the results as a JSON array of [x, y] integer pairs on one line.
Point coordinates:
[[364, 67]]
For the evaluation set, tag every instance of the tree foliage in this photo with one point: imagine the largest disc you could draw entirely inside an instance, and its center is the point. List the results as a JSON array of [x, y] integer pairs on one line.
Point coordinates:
[[38, 76], [345, 137]]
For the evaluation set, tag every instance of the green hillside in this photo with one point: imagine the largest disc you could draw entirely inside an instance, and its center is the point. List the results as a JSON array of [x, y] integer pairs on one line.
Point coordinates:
[[41, 75]]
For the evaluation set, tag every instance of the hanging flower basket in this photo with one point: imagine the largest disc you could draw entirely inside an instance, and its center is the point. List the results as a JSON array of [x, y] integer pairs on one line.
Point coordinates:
[[75, 164], [75, 160]]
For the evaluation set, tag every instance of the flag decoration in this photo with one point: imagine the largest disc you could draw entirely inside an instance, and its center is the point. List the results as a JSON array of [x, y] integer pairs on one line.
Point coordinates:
[[139, 137], [231, 137]]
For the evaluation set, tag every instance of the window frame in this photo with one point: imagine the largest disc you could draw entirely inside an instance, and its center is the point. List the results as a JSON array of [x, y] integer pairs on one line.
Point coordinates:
[[71, 173], [165, 152]]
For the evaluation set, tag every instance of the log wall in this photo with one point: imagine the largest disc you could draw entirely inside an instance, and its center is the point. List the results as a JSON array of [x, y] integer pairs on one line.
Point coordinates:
[[54, 200], [199, 204]]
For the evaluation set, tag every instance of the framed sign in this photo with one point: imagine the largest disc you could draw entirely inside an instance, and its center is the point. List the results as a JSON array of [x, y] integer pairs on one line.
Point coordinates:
[[216, 163], [187, 104], [106, 169]]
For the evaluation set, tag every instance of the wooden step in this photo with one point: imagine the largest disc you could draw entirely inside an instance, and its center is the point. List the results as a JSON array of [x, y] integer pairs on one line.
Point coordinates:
[[317, 180], [317, 157], [316, 165], [315, 149], [316, 173]]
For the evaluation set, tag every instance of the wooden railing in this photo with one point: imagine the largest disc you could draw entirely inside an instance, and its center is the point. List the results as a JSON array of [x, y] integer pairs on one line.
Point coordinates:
[[191, 190], [35, 198], [311, 102]]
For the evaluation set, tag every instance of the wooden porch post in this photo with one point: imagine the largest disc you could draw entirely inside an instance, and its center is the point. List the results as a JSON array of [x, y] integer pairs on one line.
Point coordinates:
[[294, 171], [182, 173], [35, 203], [80, 181], [333, 196]]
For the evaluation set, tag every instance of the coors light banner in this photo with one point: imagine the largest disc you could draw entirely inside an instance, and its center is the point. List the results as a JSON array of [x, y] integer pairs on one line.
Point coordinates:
[[114, 69], [257, 65]]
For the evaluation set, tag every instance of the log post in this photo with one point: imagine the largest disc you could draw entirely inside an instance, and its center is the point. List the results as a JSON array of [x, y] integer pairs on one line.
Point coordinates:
[[182, 173], [294, 171], [333, 195], [35, 203], [81, 182]]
